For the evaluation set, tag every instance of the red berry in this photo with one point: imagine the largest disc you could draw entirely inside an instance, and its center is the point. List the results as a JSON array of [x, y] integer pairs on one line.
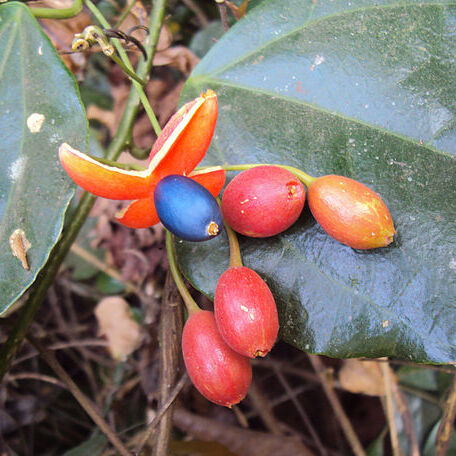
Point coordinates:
[[246, 312], [218, 373], [350, 212], [263, 201]]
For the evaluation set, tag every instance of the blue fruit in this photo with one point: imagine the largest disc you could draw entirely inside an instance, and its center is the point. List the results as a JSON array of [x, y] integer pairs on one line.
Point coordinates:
[[187, 209]]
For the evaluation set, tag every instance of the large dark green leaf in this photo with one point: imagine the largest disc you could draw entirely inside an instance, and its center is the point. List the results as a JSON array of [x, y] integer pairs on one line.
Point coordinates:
[[34, 190], [365, 89]]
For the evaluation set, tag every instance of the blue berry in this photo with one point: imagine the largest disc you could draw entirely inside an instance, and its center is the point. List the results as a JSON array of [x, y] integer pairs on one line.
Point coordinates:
[[187, 209]]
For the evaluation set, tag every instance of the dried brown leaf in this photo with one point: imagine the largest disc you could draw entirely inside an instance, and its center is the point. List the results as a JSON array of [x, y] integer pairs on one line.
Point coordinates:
[[138, 254], [178, 57], [238, 11], [362, 377], [116, 323]]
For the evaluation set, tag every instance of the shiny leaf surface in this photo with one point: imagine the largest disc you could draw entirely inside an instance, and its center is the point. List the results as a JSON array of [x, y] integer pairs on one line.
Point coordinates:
[[364, 89], [40, 108]]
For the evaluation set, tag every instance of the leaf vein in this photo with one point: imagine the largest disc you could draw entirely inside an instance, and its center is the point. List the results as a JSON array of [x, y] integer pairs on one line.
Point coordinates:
[[310, 23]]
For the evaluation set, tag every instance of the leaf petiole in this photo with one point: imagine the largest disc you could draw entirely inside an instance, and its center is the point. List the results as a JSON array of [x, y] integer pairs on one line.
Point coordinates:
[[305, 178], [190, 304]]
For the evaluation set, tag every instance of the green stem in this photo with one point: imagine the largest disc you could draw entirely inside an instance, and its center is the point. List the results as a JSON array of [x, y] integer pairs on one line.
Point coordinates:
[[58, 254], [305, 178], [55, 13], [235, 251], [124, 14], [114, 164], [139, 153], [192, 306], [152, 38], [149, 111], [127, 70]]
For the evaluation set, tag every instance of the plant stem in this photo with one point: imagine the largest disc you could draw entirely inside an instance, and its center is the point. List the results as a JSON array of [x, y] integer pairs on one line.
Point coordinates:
[[153, 38], [305, 178], [127, 70], [190, 304], [82, 399], [223, 14], [58, 254], [139, 153], [115, 164], [162, 410], [91, 259], [347, 428], [446, 428], [55, 13], [395, 445], [124, 14], [169, 334], [235, 251]]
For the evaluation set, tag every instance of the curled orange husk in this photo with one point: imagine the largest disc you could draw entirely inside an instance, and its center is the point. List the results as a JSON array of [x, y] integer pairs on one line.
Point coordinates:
[[103, 180], [178, 149]]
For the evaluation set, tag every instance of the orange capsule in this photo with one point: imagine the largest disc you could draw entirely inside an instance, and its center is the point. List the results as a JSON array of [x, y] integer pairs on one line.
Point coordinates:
[[350, 212]]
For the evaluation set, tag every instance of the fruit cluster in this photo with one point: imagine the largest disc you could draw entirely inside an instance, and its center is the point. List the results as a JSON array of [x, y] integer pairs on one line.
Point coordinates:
[[217, 346], [261, 201]]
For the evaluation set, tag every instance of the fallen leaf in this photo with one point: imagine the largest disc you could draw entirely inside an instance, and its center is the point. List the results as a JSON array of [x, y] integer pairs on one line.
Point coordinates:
[[116, 323], [363, 377], [179, 57]]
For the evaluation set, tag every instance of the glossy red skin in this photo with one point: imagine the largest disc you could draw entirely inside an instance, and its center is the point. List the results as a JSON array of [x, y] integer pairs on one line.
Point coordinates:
[[245, 312], [263, 201], [219, 373], [350, 212]]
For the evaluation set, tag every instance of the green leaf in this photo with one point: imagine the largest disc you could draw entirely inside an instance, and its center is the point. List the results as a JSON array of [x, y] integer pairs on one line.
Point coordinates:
[[418, 377], [364, 89], [94, 446], [424, 415], [108, 285], [429, 446], [206, 38], [376, 447], [95, 89], [34, 190]]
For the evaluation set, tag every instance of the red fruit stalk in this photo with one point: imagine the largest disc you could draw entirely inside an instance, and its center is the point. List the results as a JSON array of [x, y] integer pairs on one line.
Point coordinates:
[[263, 201], [350, 212], [246, 312], [220, 374]]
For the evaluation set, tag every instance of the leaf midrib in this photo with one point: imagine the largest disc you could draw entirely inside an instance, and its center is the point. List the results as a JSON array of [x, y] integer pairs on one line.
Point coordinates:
[[310, 23], [321, 109]]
